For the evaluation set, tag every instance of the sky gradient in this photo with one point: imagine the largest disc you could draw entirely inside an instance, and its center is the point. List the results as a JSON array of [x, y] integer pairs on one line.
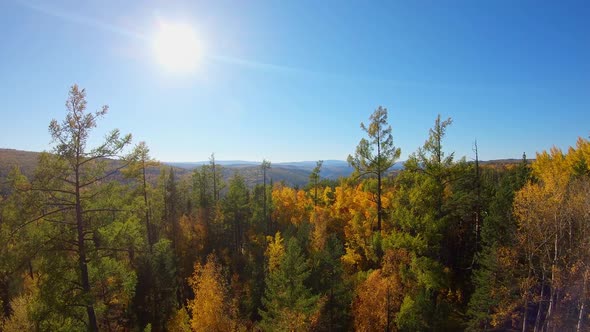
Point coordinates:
[[291, 81]]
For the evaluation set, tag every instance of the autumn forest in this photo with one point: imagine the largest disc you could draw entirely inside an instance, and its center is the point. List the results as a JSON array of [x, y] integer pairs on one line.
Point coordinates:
[[90, 242]]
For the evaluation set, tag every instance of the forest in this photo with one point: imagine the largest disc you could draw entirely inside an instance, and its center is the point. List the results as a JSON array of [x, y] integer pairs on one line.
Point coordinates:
[[89, 242]]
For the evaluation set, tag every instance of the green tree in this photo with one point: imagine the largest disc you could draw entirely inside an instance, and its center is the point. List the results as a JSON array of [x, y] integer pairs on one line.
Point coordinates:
[[236, 211], [72, 182], [328, 280], [171, 209], [289, 304], [314, 180], [155, 295], [265, 166], [494, 279], [376, 155], [138, 168], [421, 214]]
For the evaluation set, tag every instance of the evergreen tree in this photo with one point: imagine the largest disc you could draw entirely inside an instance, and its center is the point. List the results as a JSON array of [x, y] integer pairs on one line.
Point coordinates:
[[329, 281], [71, 180], [289, 304], [314, 180], [375, 156], [236, 210], [494, 280]]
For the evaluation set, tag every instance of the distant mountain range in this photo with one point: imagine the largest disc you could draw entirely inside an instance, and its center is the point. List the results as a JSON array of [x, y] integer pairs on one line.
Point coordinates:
[[291, 173]]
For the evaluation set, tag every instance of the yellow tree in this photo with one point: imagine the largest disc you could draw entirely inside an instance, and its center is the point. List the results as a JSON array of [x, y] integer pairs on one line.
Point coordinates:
[[553, 230], [380, 297], [211, 304], [357, 209], [290, 206]]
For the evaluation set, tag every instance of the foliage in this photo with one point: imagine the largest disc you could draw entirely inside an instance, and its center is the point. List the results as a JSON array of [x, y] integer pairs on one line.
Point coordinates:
[[96, 240], [368, 162], [289, 304], [211, 305]]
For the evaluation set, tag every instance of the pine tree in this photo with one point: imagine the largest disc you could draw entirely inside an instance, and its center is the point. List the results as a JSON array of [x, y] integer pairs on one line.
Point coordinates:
[[368, 162], [289, 303], [71, 180]]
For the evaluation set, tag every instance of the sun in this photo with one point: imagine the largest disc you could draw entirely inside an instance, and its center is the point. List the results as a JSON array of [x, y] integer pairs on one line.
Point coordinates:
[[176, 47]]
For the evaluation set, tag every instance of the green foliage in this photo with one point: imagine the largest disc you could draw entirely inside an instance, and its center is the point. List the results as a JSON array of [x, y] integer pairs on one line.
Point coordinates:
[[289, 304], [329, 281], [90, 240], [493, 282], [155, 298], [375, 156]]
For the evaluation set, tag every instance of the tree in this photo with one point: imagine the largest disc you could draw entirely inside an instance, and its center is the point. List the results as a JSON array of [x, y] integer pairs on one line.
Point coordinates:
[[70, 179], [552, 214], [217, 184], [328, 280], [171, 208], [155, 297], [368, 162], [314, 179], [211, 305], [289, 303], [265, 166], [379, 298], [141, 161], [236, 210], [495, 292]]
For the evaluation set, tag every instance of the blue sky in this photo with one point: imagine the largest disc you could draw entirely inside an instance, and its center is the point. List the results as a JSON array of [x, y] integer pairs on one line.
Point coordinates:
[[292, 80]]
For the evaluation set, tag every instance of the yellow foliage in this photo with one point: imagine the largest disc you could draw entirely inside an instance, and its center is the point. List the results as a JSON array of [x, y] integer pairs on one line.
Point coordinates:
[[553, 229], [275, 251], [291, 206], [380, 296], [179, 322], [20, 320], [210, 307]]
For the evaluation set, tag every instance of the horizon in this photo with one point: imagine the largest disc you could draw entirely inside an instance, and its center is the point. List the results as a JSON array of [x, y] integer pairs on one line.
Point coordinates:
[[198, 162], [281, 82]]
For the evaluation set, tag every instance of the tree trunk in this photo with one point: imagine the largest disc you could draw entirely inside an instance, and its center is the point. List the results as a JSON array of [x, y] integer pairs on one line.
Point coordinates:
[[379, 208], [526, 301], [92, 324], [540, 308], [267, 220], [147, 210], [552, 291], [582, 301]]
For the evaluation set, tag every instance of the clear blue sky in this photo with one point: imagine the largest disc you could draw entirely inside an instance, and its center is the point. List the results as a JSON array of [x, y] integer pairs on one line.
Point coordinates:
[[292, 80]]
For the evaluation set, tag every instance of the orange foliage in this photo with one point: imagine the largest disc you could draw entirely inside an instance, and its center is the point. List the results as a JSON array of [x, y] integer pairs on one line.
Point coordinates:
[[379, 298], [290, 206]]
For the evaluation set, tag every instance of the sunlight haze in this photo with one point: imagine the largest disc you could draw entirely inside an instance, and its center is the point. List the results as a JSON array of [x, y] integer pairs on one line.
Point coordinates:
[[293, 81]]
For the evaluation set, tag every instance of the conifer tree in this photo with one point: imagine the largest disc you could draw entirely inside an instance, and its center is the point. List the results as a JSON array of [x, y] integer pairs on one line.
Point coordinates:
[[289, 303], [376, 155], [70, 179]]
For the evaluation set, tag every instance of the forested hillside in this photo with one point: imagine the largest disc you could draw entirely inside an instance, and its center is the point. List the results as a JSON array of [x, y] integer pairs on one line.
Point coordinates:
[[93, 238], [293, 174]]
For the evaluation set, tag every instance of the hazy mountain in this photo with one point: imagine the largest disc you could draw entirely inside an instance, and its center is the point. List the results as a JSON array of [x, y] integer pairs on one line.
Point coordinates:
[[292, 173]]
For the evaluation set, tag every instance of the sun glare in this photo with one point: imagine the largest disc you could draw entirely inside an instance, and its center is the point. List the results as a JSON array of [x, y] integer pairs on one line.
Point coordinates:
[[177, 47]]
